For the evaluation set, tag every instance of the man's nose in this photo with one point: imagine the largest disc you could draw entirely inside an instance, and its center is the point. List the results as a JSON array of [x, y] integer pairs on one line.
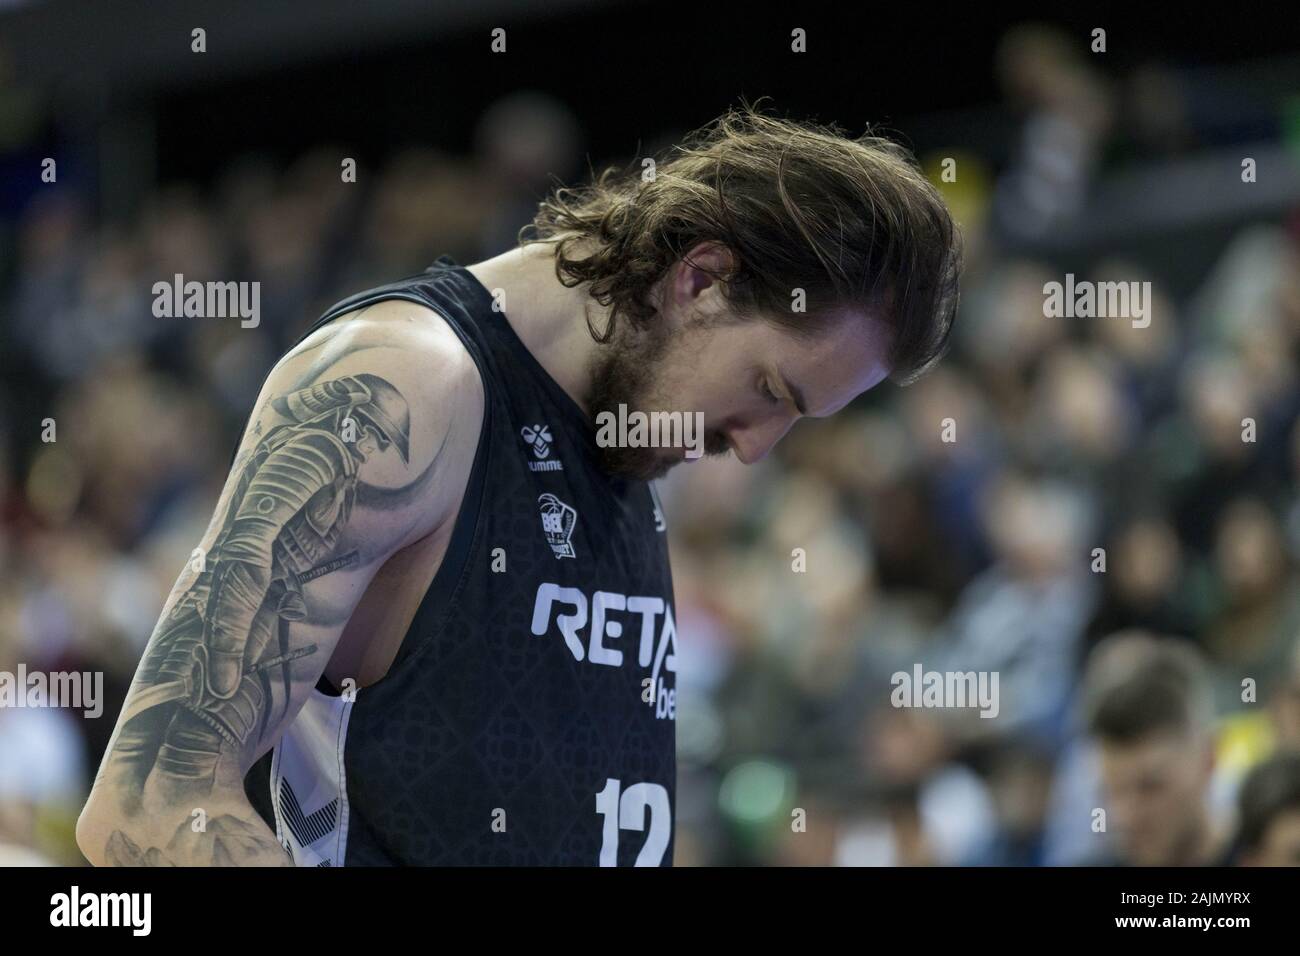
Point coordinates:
[[751, 443]]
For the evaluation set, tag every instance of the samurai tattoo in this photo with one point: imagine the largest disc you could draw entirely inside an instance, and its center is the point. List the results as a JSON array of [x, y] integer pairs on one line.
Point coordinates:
[[216, 675]]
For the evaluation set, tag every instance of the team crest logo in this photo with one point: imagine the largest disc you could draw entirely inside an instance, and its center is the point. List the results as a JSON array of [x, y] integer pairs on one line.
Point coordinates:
[[538, 438], [558, 520]]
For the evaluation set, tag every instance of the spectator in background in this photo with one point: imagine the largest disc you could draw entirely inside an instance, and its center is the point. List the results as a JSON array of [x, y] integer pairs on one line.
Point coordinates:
[[1148, 708], [523, 142], [1269, 809], [1250, 634], [1026, 615], [1284, 699], [1069, 110]]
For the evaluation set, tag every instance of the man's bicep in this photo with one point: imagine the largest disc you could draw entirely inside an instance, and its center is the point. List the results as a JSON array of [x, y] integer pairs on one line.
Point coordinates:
[[339, 467]]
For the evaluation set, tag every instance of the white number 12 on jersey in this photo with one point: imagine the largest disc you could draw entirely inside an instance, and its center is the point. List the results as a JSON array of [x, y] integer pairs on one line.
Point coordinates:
[[628, 812]]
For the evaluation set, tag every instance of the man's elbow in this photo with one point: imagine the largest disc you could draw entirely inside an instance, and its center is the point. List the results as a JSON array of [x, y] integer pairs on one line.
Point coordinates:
[[95, 824]]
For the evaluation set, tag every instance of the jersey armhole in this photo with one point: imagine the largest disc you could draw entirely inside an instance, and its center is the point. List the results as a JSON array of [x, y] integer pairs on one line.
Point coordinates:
[[449, 576], [436, 602]]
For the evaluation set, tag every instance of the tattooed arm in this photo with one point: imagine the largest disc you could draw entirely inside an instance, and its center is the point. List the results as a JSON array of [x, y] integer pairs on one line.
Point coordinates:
[[360, 446]]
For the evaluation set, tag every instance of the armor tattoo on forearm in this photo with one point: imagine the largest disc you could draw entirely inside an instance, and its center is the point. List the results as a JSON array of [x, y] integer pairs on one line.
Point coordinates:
[[215, 678]]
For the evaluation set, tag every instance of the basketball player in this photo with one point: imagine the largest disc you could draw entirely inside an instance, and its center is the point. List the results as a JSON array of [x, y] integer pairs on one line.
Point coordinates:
[[431, 621]]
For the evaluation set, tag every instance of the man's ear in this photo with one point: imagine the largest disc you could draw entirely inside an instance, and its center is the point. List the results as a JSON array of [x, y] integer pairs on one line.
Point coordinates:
[[695, 279]]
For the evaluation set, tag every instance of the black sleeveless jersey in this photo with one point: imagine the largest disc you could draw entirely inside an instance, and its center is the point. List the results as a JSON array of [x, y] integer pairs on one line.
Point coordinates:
[[529, 716]]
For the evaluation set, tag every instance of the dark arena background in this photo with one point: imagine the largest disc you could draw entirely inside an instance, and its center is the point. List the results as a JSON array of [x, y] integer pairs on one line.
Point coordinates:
[[1060, 479]]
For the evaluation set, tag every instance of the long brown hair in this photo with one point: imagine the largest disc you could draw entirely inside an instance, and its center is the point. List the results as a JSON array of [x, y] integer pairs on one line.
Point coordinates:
[[851, 222]]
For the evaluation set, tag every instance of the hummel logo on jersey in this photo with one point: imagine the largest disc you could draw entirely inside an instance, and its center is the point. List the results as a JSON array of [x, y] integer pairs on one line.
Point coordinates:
[[558, 520], [539, 440]]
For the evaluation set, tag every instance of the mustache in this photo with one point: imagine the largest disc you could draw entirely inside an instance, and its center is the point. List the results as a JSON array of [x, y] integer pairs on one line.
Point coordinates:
[[715, 443]]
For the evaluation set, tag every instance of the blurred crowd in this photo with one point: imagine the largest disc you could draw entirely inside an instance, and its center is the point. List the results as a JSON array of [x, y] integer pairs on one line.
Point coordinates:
[[1104, 515]]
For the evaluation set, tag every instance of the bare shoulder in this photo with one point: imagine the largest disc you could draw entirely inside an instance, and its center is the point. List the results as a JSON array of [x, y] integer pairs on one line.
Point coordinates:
[[413, 386], [404, 338]]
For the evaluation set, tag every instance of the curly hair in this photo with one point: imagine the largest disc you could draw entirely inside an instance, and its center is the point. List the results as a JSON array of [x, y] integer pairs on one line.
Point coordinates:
[[849, 222]]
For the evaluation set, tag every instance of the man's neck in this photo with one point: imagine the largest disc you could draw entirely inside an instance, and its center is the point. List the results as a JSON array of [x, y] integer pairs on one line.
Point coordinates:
[[549, 319]]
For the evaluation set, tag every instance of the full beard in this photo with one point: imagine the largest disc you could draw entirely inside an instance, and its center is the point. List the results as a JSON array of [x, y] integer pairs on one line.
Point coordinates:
[[625, 372]]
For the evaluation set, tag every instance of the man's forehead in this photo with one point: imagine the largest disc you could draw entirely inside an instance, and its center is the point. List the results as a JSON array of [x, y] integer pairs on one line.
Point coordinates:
[[846, 358], [1161, 747]]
